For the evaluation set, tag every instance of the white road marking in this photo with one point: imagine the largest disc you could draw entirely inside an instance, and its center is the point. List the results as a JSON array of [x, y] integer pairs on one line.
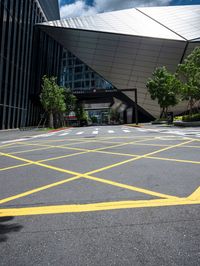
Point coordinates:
[[66, 133], [126, 131], [14, 140], [95, 132], [44, 135], [142, 130], [80, 133], [111, 131]]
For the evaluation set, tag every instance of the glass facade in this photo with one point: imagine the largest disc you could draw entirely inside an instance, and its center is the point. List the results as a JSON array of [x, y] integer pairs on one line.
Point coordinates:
[[17, 40], [79, 77]]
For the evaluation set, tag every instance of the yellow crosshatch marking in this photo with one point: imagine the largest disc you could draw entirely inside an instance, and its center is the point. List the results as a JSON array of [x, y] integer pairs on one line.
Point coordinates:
[[164, 199]]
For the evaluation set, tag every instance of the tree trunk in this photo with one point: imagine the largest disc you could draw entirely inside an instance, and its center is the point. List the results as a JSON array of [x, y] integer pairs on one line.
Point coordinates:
[[161, 114], [51, 119]]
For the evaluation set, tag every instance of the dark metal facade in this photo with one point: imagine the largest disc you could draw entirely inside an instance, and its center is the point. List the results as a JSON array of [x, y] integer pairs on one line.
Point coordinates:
[[50, 8], [19, 50]]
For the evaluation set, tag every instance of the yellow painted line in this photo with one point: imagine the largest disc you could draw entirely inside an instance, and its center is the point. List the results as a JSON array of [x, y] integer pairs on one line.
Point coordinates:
[[195, 195], [40, 164], [25, 151], [45, 160], [190, 146], [86, 175], [24, 194], [7, 145], [139, 157], [73, 148], [173, 160], [103, 206], [29, 162], [14, 166], [129, 187]]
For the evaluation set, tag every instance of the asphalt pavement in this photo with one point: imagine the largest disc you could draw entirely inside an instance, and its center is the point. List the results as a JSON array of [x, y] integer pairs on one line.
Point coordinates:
[[101, 195]]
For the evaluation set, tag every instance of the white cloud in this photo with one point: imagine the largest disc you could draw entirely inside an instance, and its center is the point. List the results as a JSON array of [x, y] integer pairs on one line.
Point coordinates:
[[80, 8]]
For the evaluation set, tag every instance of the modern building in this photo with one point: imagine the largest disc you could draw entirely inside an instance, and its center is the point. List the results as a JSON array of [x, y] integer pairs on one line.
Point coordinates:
[[25, 54], [96, 56], [124, 47]]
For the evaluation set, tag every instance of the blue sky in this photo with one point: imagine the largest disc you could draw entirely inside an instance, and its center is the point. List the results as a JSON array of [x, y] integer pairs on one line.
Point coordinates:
[[73, 8]]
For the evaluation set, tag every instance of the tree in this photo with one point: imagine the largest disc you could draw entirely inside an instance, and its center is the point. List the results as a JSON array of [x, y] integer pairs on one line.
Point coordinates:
[[52, 98], [70, 101], [164, 87], [80, 113], [189, 73]]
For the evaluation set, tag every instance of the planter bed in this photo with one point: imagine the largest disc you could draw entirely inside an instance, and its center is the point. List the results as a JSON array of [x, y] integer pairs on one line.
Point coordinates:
[[187, 124]]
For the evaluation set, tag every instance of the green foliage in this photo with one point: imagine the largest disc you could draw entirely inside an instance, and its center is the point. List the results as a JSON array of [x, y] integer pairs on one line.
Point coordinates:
[[52, 96], [70, 101], [189, 73], [191, 118], [80, 112], [178, 118], [94, 119], [164, 87]]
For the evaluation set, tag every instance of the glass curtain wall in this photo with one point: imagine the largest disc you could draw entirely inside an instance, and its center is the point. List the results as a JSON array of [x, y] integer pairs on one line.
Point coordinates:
[[79, 77], [17, 20]]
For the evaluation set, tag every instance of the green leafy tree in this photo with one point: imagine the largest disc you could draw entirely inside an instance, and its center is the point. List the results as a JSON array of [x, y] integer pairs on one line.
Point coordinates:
[[189, 73], [70, 101], [52, 98], [81, 114], [164, 87]]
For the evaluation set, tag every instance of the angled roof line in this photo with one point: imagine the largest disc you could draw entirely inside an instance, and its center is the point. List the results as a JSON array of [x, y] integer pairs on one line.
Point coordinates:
[[161, 24]]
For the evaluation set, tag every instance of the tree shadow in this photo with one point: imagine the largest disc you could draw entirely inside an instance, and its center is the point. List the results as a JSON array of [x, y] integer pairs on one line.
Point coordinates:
[[6, 227]]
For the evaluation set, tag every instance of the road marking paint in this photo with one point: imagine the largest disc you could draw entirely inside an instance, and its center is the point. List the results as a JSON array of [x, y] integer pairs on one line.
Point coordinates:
[[12, 141], [126, 130], [24, 194], [87, 175], [14, 166], [102, 206], [9, 145], [95, 132], [63, 147], [195, 195], [129, 187], [173, 160], [111, 131], [64, 134], [80, 133], [139, 157]]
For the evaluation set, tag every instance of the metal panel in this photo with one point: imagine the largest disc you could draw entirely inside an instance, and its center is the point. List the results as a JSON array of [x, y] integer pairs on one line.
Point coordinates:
[[129, 22], [183, 20], [50, 8]]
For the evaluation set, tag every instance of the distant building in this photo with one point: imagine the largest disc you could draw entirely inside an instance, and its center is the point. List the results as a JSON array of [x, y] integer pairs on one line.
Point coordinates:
[[124, 47], [25, 55], [104, 53]]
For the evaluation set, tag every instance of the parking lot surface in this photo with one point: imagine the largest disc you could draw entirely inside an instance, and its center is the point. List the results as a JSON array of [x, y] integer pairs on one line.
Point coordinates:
[[108, 195]]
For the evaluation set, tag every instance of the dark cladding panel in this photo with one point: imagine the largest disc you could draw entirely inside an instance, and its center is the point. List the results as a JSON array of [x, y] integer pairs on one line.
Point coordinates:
[[50, 8], [17, 20]]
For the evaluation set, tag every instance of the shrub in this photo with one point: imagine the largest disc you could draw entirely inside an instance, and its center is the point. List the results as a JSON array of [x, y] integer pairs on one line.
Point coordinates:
[[191, 118]]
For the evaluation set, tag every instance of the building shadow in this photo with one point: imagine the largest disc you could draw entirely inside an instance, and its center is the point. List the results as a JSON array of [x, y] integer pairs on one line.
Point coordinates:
[[6, 227]]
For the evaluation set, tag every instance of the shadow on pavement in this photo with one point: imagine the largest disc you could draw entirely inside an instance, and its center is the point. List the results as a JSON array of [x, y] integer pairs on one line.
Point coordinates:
[[6, 227]]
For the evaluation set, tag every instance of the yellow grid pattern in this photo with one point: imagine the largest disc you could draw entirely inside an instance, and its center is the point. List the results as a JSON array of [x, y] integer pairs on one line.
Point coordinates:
[[164, 199]]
